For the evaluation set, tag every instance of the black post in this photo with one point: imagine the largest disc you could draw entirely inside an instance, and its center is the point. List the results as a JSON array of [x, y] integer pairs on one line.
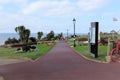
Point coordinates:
[[67, 34], [94, 38], [74, 21]]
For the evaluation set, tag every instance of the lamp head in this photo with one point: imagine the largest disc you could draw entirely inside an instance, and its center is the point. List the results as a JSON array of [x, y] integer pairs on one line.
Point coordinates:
[[74, 20]]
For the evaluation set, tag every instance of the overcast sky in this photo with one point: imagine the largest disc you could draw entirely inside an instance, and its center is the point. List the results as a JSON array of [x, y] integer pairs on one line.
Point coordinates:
[[57, 15]]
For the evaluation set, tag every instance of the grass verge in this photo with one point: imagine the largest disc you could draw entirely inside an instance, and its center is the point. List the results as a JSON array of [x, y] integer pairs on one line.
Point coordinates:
[[10, 52], [84, 50]]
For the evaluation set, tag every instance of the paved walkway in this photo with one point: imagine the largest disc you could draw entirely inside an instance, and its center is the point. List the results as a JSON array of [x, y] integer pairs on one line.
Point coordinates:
[[10, 60], [61, 63]]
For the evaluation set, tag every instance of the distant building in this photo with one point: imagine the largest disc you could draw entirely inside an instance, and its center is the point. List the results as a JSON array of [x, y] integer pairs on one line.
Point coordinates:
[[118, 32]]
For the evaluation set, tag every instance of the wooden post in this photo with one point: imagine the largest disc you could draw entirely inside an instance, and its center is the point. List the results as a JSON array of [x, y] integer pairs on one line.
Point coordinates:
[[108, 58], [108, 48]]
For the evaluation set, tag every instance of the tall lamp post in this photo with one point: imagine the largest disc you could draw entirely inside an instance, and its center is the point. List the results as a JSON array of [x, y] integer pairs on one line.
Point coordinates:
[[74, 21], [67, 34]]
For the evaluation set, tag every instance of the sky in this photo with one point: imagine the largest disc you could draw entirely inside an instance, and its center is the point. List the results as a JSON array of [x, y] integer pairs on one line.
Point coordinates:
[[57, 15]]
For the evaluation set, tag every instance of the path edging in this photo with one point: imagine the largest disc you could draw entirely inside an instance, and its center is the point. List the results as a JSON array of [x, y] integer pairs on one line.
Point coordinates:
[[87, 57]]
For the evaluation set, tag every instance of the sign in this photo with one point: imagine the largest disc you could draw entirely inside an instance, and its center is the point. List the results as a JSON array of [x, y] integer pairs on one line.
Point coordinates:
[[92, 35], [94, 39]]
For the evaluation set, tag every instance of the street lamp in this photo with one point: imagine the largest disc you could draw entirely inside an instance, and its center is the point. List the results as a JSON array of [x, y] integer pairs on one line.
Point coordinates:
[[74, 21], [67, 34]]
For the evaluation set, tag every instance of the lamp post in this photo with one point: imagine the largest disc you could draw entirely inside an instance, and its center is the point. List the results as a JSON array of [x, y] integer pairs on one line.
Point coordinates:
[[67, 34], [74, 21]]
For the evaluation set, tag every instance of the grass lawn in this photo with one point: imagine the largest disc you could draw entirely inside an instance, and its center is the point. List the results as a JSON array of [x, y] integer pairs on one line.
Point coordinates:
[[70, 42], [7, 50], [10, 52], [84, 50]]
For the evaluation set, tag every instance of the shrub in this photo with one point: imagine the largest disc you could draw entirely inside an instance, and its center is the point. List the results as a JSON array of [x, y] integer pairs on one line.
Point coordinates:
[[32, 40], [11, 41], [82, 39]]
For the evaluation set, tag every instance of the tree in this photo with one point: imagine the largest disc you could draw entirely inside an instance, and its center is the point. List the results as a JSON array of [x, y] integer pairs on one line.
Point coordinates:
[[50, 35], [113, 32], [23, 33], [26, 35], [20, 31], [59, 36], [40, 34]]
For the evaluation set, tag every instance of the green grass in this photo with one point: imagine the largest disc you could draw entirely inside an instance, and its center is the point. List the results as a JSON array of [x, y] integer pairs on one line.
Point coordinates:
[[7, 50], [41, 50], [84, 50], [70, 42]]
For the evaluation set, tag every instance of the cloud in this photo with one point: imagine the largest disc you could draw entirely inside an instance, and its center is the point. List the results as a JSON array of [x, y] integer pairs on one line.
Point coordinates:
[[4, 1], [61, 8], [52, 8], [111, 14], [108, 14], [90, 5], [43, 12], [12, 1], [1, 8], [49, 8]]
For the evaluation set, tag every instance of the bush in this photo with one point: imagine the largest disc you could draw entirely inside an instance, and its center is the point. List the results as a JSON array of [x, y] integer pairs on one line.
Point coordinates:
[[82, 39], [26, 48], [11, 41], [104, 41], [32, 40]]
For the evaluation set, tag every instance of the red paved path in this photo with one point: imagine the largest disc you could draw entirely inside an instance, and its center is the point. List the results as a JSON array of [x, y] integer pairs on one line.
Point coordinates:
[[61, 63]]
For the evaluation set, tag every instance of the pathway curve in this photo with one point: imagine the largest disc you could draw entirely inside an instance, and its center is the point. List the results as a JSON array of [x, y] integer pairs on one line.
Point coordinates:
[[61, 63]]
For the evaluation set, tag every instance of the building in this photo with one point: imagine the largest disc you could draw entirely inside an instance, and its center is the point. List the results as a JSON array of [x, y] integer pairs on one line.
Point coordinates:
[[118, 32]]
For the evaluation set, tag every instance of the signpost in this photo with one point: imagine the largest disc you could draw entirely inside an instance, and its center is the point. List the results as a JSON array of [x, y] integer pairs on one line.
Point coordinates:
[[93, 39]]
